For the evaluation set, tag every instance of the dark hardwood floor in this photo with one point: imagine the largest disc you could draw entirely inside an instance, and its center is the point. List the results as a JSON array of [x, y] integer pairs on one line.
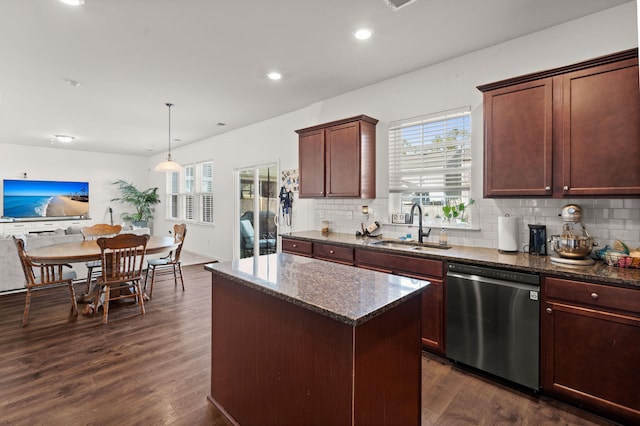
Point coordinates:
[[154, 369]]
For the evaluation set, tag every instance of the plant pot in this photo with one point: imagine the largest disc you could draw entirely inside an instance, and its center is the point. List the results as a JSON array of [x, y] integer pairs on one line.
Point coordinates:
[[140, 223]]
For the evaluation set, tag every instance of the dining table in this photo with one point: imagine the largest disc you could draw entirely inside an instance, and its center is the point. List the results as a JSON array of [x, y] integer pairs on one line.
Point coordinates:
[[83, 251], [87, 250]]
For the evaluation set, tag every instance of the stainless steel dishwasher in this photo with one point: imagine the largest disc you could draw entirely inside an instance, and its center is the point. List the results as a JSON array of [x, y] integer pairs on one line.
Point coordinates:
[[493, 321]]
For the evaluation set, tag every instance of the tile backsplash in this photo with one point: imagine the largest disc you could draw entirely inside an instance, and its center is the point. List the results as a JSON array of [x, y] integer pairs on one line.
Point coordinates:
[[606, 220]]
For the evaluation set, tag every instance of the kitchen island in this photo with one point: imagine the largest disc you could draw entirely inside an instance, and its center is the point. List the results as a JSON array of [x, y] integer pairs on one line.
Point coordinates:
[[303, 341]]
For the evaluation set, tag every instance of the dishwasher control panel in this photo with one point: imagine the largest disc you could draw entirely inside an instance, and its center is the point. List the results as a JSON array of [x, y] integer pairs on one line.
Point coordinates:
[[498, 274]]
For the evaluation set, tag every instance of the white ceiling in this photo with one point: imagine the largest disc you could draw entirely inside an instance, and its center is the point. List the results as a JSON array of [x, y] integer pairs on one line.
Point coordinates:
[[210, 58]]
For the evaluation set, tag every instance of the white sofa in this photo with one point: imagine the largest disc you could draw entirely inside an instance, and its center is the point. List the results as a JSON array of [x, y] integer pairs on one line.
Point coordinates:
[[11, 275]]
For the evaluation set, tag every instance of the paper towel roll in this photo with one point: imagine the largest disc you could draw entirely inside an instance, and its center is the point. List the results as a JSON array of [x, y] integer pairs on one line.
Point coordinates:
[[507, 233]]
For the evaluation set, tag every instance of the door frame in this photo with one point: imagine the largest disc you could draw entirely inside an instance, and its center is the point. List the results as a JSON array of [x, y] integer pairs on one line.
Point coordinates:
[[236, 203]]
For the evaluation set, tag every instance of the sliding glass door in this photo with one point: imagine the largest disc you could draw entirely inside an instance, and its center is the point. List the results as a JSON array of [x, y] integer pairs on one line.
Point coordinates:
[[258, 208]]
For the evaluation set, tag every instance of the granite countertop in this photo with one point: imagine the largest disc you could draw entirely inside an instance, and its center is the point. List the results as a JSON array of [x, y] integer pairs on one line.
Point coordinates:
[[524, 262], [347, 294]]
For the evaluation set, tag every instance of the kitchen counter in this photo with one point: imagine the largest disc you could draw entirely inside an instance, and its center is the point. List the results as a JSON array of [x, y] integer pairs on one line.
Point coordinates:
[[599, 272], [304, 340], [349, 295]]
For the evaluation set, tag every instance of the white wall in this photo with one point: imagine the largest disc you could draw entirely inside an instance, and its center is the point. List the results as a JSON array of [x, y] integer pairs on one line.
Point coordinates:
[[48, 163]]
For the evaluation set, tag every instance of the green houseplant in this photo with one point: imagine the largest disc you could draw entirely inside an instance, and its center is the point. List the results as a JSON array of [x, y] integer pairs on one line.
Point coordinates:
[[456, 210], [143, 201]]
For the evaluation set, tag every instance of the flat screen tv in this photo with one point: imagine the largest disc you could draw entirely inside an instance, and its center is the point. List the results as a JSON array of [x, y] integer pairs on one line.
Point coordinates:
[[43, 198]]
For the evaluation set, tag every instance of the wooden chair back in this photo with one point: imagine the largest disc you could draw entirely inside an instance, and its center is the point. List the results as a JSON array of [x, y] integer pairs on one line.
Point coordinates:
[[122, 257], [37, 274], [100, 230], [179, 232]]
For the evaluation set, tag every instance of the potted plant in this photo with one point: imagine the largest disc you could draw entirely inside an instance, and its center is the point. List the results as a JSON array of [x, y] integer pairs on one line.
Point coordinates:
[[143, 201], [456, 210]]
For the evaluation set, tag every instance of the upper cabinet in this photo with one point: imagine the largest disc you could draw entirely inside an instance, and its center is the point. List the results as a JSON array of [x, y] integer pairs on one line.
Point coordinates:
[[570, 131], [338, 159]]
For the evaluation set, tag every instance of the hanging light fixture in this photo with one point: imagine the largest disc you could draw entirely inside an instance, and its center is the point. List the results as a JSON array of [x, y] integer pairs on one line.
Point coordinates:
[[169, 165]]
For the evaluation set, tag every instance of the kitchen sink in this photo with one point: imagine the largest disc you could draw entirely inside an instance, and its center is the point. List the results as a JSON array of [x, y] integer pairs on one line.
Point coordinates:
[[408, 245]]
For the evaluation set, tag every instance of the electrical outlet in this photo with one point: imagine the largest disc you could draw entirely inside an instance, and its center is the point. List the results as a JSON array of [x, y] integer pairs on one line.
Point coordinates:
[[321, 213]]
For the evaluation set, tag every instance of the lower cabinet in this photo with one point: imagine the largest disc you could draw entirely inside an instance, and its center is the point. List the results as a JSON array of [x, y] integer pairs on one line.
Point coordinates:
[[302, 248], [333, 253], [590, 346], [433, 315]]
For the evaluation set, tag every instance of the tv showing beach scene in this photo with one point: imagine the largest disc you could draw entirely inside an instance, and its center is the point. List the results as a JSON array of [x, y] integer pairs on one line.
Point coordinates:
[[41, 198]]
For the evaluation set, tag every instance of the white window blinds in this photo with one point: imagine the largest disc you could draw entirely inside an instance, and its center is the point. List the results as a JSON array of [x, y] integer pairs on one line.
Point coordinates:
[[431, 153], [206, 192], [190, 193]]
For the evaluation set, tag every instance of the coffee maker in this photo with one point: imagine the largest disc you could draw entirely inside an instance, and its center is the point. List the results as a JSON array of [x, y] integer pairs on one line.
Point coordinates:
[[537, 240]]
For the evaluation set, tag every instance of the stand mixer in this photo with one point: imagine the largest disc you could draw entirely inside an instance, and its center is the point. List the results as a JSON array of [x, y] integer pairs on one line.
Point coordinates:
[[573, 246]]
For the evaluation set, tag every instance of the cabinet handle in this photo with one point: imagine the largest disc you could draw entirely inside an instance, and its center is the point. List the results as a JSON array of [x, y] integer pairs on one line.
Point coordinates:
[[594, 296], [566, 188], [331, 252], [295, 245], [547, 188], [549, 310]]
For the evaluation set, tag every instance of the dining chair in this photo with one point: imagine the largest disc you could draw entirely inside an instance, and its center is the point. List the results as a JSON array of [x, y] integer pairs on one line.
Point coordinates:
[[92, 233], [122, 262], [170, 264], [43, 276]]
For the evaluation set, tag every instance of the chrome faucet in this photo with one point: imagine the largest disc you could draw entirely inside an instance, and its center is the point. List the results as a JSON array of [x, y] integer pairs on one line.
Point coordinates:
[[420, 233]]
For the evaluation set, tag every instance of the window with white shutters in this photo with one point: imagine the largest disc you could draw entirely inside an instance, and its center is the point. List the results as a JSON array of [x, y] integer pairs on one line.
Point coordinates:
[[190, 193]]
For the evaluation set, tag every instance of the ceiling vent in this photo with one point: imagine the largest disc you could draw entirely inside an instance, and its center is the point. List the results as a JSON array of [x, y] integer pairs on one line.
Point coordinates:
[[398, 4]]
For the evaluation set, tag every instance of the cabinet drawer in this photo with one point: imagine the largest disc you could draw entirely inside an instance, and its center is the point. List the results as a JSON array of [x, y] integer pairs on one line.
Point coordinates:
[[400, 264], [332, 252], [623, 299], [304, 248]]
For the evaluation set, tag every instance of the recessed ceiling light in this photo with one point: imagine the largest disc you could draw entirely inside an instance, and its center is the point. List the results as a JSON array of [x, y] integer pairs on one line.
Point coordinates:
[[73, 2], [64, 138], [363, 34], [274, 75]]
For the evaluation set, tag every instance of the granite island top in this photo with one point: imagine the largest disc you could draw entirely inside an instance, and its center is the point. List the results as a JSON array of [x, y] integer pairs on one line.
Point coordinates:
[[524, 262], [347, 294]]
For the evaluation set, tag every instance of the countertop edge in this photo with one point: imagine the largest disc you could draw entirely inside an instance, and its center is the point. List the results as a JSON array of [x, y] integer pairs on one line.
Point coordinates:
[[351, 321]]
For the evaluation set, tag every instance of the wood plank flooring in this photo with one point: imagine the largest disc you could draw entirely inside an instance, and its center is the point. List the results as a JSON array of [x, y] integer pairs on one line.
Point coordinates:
[[154, 369]]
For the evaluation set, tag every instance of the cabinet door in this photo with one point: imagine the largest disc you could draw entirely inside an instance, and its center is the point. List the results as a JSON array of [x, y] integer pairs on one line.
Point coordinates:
[[592, 357], [343, 160], [311, 164], [518, 140], [601, 130], [433, 319]]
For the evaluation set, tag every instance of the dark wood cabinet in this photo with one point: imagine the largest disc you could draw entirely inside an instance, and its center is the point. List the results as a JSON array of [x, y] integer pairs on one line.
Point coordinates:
[[590, 346], [302, 248], [570, 131], [337, 159], [333, 253], [518, 139], [433, 314]]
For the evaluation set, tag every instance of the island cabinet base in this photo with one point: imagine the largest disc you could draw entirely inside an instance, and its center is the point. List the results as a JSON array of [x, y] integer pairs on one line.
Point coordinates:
[[274, 362]]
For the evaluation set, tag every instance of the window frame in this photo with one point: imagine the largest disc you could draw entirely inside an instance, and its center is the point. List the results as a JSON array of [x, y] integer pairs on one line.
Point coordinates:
[[430, 161], [190, 193]]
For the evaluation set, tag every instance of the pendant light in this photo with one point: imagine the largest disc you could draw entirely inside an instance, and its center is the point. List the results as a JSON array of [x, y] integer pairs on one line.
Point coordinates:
[[169, 165]]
